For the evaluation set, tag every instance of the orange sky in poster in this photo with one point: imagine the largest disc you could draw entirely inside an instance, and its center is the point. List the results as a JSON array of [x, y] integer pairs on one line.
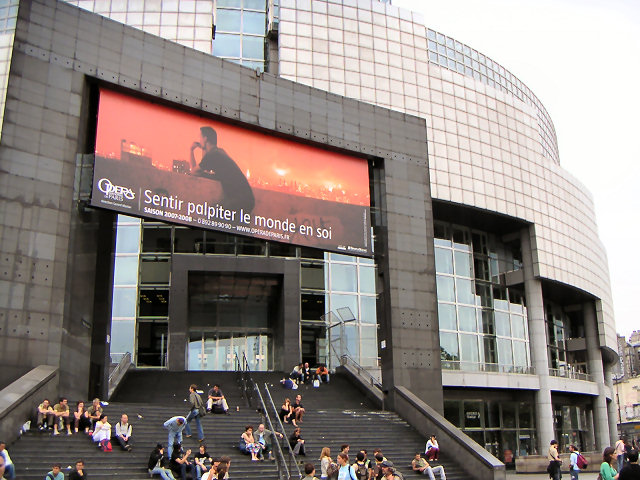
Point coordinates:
[[269, 162]]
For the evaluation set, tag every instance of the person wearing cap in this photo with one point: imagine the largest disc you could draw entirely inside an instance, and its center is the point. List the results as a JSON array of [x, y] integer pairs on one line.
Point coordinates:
[[157, 461], [388, 470], [421, 465]]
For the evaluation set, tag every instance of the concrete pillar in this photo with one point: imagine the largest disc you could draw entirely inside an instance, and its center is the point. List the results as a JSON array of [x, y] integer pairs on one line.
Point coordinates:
[[537, 343], [596, 370], [611, 405]]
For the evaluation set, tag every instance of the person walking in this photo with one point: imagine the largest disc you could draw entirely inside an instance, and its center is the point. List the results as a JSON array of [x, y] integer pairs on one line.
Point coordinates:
[[620, 451], [574, 469], [632, 470], [197, 410]]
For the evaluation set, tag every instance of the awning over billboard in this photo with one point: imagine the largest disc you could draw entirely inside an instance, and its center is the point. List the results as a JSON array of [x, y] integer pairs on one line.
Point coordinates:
[[156, 162]]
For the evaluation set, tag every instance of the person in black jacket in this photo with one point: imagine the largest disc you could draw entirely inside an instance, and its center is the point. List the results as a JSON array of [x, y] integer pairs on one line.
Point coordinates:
[[296, 442], [157, 463], [78, 473]]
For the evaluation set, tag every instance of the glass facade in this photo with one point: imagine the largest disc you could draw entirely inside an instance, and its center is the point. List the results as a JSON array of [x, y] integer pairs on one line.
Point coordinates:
[[334, 283], [240, 30], [570, 426], [504, 428], [458, 57], [563, 362], [8, 16], [483, 325]]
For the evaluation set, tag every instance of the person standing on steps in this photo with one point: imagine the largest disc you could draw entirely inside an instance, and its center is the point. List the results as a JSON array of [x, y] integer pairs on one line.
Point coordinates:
[[175, 425], [197, 410]]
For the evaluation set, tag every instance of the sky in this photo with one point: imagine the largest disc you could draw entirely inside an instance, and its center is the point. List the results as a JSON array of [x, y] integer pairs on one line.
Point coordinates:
[[581, 58]]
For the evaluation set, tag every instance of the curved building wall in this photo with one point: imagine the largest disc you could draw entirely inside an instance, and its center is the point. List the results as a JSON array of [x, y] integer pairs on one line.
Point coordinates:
[[485, 147]]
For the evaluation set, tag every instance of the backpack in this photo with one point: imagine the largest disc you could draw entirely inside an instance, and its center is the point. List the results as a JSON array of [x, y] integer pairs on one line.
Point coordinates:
[[106, 446], [362, 472], [332, 470], [581, 462]]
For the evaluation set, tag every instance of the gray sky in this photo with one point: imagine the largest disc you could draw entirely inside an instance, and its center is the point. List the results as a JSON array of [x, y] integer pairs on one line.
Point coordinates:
[[582, 60]]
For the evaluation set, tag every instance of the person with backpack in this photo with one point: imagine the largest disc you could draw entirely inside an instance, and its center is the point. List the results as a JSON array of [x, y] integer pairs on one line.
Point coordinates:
[[360, 467], [197, 410], [576, 462], [346, 471]]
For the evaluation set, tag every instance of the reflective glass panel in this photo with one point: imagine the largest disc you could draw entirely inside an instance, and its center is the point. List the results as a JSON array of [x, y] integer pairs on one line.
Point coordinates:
[[312, 276], [488, 325], [368, 343], [525, 415], [155, 271], [343, 278], [229, 3], [444, 260], [520, 354], [469, 348], [449, 346], [124, 302], [517, 326], [228, 20], [340, 301], [463, 264], [368, 310], [502, 324], [490, 353], [452, 412], [505, 356], [126, 271], [446, 291], [128, 239], [156, 239], [226, 45], [509, 415], [465, 292], [473, 414], [367, 279], [351, 340], [254, 22], [467, 319], [187, 240], [447, 316], [254, 4], [252, 47], [123, 336]]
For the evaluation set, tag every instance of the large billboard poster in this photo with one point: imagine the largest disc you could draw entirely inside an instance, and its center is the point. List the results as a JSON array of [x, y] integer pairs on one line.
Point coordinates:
[[156, 162]]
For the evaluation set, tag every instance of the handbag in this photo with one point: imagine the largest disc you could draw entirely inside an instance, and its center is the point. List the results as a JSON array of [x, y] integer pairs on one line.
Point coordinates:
[[316, 383]]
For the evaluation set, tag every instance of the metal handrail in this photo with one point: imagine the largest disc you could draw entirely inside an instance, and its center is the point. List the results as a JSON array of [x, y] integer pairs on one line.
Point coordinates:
[[118, 373], [561, 372], [487, 367], [346, 359], [282, 464], [292, 457]]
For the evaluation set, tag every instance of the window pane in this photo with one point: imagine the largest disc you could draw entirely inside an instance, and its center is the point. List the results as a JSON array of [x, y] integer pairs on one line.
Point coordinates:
[[312, 306], [154, 303], [124, 302], [452, 412], [463, 264], [254, 4], [226, 45], [444, 260], [123, 334], [228, 3], [252, 47], [505, 356], [128, 239], [445, 288], [469, 348], [368, 344], [447, 316], [187, 240], [351, 340], [341, 301], [343, 278], [464, 291], [467, 319], [156, 239], [312, 276], [368, 310], [490, 350], [449, 346], [126, 271], [509, 415], [367, 279], [254, 22], [155, 271], [520, 354], [517, 326], [488, 325], [472, 414], [502, 324], [228, 20]]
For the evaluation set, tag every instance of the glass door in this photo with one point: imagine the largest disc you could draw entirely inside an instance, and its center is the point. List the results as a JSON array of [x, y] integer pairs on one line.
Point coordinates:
[[217, 351]]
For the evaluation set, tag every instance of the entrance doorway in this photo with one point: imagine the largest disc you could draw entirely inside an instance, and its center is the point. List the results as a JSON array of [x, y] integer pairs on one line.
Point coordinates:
[[151, 349], [218, 350], [313, 342]]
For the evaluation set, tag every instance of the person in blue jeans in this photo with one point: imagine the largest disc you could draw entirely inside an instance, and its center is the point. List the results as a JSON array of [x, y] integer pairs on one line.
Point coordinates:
[[197, 404], [157, 462], [574, 470], [175, 425]]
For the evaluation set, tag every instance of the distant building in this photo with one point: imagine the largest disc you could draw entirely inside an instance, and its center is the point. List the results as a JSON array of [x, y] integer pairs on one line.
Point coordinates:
[[181, 166]]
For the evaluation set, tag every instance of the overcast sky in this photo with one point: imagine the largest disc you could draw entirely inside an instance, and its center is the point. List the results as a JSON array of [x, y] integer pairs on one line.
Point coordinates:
[[581, 58]]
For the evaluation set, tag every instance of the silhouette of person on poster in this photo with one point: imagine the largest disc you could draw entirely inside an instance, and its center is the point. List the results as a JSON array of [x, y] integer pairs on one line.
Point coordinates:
[[217, 165]]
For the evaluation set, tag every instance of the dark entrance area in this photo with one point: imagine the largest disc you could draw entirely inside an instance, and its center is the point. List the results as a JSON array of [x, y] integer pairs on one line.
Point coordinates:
[[231, 315]]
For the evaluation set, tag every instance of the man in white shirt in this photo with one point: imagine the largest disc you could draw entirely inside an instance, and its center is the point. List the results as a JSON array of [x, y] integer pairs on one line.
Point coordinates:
[[123, 432]]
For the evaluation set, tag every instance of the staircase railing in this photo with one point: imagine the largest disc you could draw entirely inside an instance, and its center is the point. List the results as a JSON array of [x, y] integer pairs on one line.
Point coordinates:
[[284, 473], [292, 467], [118, 373]]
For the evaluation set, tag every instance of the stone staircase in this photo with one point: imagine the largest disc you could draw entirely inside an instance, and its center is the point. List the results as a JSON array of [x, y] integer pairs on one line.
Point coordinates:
[[336, 414]]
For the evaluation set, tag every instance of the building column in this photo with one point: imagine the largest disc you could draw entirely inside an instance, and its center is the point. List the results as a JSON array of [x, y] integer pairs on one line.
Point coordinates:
[[596, 370], [611, 405], [537, 343]]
